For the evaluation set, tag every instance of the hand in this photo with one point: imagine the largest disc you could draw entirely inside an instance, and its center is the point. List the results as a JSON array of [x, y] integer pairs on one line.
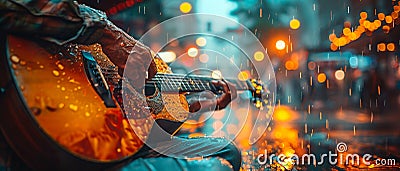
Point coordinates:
[[214, 103], [129, 55]]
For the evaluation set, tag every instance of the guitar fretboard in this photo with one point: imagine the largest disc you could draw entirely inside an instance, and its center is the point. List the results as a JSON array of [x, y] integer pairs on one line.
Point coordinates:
[[190, 83]]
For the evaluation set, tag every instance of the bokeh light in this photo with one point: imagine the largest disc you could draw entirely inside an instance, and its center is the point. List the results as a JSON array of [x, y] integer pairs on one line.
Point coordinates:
[[258, 56], [311, 65], [216, 74], [243, 75], [321, 78], [390, 47], [381, 16], [339, 75], [280, 44], [193, 52], [346, 31], [353, 62], [201, 41], [203, 58], [388, 19], [185, 7], [294, 24], [291, 65], [363, 15], [381, 47]]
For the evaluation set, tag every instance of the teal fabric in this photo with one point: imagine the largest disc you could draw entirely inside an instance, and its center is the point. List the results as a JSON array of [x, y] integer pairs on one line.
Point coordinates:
[[164, 163]]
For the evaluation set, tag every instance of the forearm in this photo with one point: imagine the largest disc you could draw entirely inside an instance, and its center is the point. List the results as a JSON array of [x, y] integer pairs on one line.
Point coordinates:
[[57, 22]]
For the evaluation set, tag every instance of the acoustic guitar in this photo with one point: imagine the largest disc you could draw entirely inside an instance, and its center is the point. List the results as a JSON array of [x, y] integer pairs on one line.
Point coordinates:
[[62, 108]]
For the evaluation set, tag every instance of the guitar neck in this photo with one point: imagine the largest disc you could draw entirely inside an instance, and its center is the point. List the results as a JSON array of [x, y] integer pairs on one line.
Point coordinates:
[[190, 83]]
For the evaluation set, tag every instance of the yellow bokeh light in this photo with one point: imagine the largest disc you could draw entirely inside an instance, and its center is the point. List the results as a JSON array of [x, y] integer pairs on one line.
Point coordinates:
[[258, 56], [192, 52], [353, 36], [339, 74], [280, 44], [346, 31], [294, 24], [185, 7], [342, 41], [201, 41], [216, 74], [282, 114], [243, 75], [390, 47], [321, 78]]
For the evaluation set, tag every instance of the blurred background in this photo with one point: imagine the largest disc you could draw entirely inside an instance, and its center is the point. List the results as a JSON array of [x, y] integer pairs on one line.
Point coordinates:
[[336, 65]]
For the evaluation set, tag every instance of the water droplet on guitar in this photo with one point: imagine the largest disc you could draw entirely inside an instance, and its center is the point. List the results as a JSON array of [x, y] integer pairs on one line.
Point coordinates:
[[62, 88], [60, 66], [73, 107], [36, 111], [41, 66], [15, 59], [22, 87], [66, 97], [22, 63], [61, 105], [87, 114], [122, 44], [56, 73]]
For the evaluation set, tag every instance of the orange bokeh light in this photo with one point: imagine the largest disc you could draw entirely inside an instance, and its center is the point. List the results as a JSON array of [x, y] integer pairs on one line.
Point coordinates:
[[390, 47], [381, 16], [381, 47], [388, 19], [321, 78], [363, 15], [386, 29]]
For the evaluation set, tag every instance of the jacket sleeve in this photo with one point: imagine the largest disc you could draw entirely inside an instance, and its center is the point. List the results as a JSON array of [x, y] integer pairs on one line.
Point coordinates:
[[58, 21]]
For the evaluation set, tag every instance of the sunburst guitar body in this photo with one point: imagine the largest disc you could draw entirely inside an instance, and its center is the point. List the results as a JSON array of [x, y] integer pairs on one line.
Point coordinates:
[[53, 116]]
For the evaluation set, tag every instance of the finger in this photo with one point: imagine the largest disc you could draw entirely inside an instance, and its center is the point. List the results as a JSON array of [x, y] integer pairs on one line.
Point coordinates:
[[152, 70], [233, 90], [222, 84]]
